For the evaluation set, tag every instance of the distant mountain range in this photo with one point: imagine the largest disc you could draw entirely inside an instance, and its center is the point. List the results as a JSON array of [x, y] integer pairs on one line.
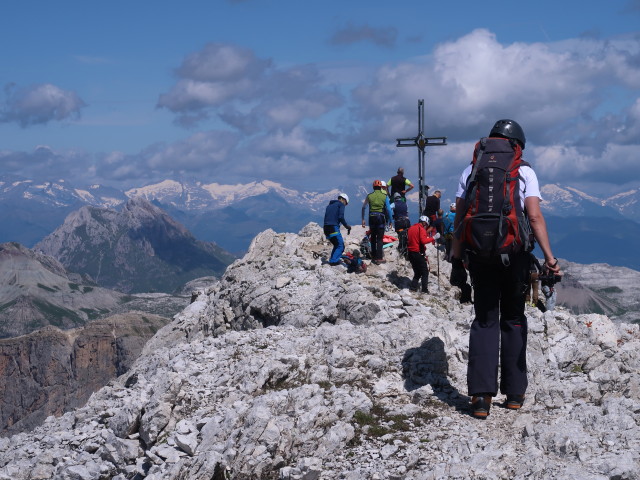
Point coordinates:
[[231, 215]]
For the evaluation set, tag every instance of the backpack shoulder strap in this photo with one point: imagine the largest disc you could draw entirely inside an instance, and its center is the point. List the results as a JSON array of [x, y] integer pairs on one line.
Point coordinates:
[[471, 181]]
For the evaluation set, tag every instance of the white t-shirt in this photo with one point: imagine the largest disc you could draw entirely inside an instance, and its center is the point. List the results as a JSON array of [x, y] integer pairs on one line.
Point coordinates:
[[528, 188]]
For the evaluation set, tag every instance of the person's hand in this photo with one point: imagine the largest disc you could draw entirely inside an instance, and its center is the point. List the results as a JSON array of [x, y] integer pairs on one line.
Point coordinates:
[[458, 273], [552, 266], [363, 223], [348, 229]]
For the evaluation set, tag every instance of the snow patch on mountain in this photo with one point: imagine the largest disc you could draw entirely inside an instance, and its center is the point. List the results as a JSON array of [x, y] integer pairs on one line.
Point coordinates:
[[166, 187]]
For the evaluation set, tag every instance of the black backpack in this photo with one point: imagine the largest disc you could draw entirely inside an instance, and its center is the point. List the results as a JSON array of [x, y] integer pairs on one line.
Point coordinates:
[[494, 224], [365, 247]]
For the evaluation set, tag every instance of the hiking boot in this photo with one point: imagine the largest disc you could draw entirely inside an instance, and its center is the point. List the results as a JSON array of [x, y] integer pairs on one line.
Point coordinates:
[[333, 264], [480, 405], [514, 402]]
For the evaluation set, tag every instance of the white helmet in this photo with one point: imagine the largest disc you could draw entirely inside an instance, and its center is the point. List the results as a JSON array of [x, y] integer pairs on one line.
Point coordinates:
[[384, 184], [452, 206], [424, 219], [345, 196]]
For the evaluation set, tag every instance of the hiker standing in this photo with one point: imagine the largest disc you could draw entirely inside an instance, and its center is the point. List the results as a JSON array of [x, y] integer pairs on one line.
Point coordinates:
[[498, 335], [432, 205], [399, 184], [333, 217], [401, 221], [417, 240], [447, 230], [379, 211]]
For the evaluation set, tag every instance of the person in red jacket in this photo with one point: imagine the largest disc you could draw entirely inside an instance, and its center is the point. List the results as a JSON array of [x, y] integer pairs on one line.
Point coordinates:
[[417, 240]]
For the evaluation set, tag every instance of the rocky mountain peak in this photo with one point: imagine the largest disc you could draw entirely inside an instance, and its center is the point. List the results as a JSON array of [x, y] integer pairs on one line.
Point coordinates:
[[290, 368], [140, 248], [140, 213]]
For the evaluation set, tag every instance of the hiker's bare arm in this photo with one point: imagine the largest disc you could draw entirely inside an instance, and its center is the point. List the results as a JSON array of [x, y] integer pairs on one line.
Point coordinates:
[[539, 227]]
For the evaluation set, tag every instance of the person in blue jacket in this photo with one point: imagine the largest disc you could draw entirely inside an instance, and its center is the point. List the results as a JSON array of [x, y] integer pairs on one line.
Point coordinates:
[[447, 230], [333, 217]]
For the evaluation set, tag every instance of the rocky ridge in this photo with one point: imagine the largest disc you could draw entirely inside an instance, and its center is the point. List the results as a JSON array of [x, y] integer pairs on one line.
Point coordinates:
[[290, 368]]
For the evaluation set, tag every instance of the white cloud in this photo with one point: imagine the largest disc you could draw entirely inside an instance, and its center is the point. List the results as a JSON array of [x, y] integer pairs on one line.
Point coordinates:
[[39, 104], [616, 164], [201, 150], [291, 143], [469, 83], [248, 93], [190, 95], [577, 101], [218, 62]]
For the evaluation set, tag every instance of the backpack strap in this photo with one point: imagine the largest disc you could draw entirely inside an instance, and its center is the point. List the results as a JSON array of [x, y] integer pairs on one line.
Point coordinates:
[[471, 181], [508, 178]]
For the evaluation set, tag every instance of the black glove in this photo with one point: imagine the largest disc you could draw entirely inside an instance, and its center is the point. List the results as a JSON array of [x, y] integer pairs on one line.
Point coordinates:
[[458, 273], [348, 229]]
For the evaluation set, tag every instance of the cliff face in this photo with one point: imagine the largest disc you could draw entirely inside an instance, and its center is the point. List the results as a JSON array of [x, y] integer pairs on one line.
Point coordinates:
[[140, 249], [290, 368], [50, 371]]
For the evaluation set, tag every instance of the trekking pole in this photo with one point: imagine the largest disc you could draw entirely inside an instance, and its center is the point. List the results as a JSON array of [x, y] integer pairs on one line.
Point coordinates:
[[438, 266]]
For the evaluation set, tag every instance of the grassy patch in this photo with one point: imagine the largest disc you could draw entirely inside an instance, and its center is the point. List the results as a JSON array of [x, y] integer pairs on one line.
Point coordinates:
[[577, 369], [610, 290], [48, 289], [421, 417], [378, 423], [56, 315]]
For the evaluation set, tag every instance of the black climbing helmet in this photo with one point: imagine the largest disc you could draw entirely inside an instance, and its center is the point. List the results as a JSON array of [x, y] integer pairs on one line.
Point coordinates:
[[509, 129]]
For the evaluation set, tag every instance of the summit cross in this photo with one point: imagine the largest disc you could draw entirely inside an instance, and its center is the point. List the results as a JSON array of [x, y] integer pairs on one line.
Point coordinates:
[[421, 142]]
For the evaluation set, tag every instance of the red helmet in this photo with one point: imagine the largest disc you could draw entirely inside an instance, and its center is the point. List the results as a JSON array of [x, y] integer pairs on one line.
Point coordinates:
[[377, 183]]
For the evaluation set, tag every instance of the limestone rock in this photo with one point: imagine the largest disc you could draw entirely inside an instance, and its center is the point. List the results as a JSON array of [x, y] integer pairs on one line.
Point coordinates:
[[290, 368]]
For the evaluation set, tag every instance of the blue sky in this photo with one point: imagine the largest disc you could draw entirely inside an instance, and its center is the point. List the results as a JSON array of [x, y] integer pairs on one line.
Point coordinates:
[[314, 94]]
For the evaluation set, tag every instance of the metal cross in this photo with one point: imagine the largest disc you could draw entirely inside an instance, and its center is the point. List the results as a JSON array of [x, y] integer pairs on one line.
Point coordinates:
[[421, 142]]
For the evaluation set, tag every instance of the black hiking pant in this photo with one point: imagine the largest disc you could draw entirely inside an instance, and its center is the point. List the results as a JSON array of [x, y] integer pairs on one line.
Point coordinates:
[[377, 222], [401, 225], [420, 271], [498, 336]]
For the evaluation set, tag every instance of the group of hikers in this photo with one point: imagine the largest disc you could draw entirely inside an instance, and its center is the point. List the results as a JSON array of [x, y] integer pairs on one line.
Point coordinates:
[[489, 232]]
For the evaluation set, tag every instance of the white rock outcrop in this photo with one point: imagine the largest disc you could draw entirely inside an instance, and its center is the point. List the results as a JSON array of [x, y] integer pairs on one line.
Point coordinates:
[[288, 368]]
